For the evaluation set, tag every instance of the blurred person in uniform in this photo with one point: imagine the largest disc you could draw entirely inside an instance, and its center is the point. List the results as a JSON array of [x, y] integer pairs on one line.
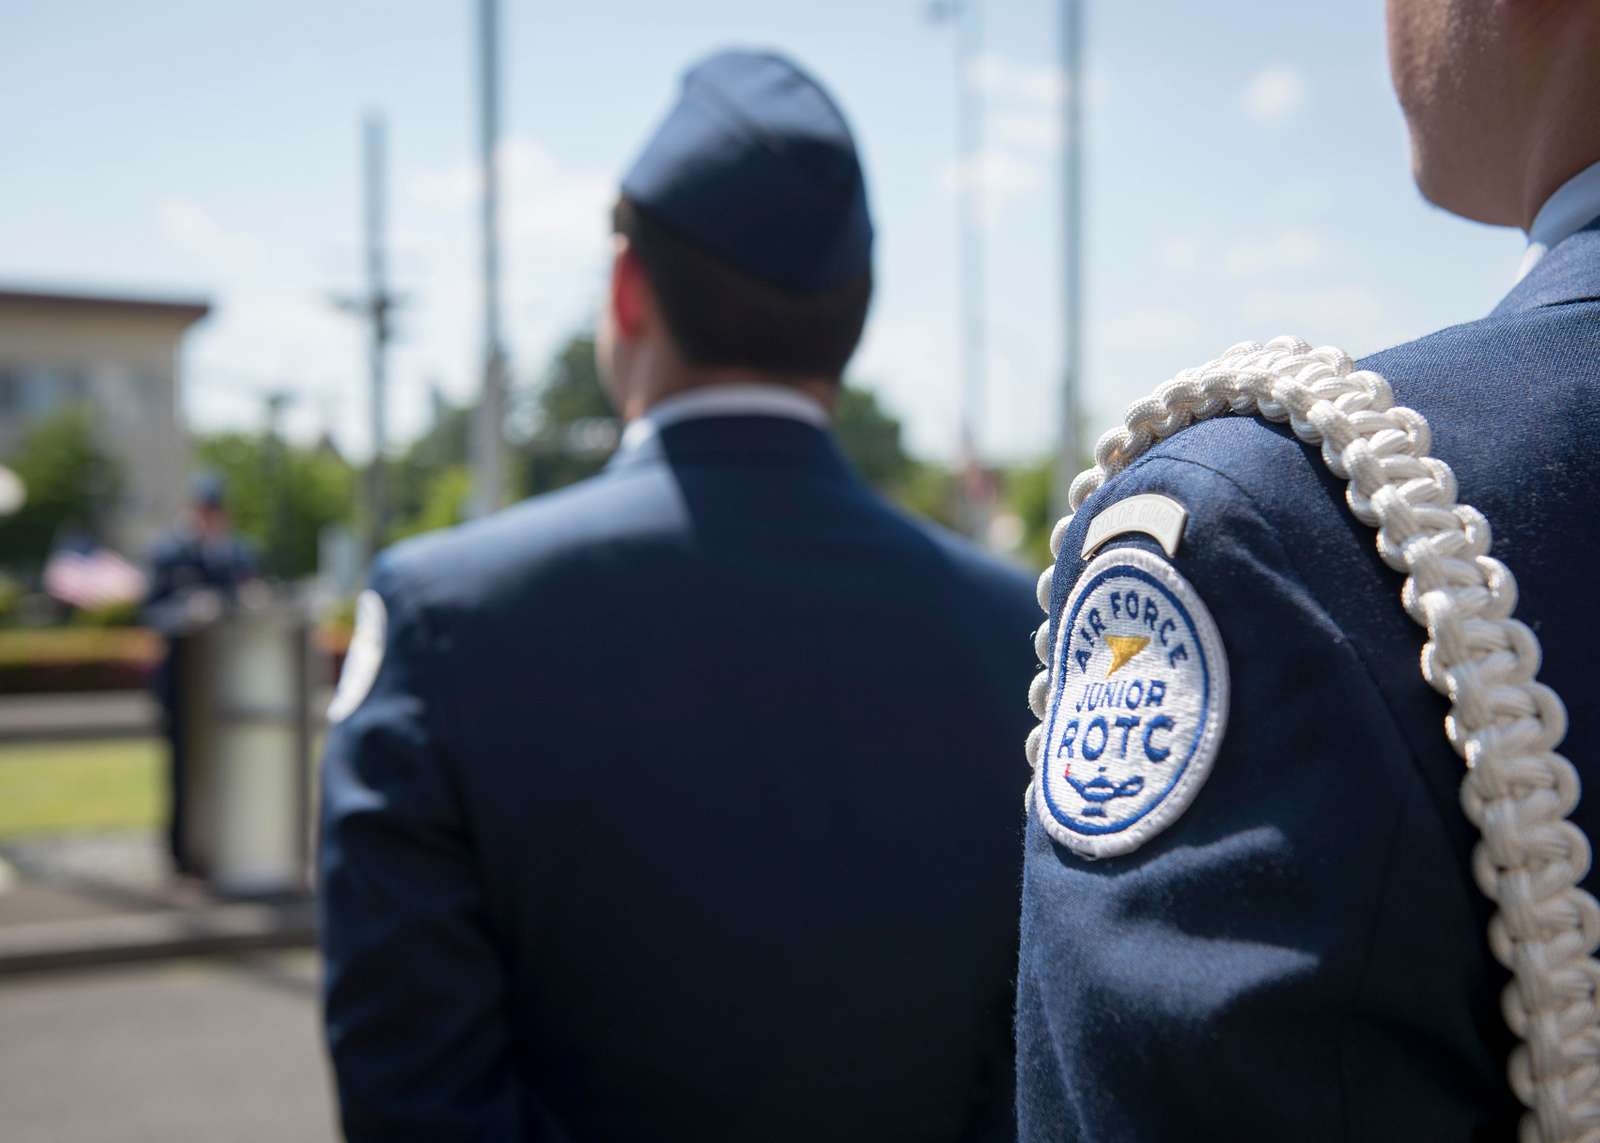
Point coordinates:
[[1250, 910], [676, 804], [196, 573]]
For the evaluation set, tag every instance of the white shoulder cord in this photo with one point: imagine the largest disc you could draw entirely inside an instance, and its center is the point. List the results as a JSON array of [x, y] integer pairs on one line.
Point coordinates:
[[1517, 790]]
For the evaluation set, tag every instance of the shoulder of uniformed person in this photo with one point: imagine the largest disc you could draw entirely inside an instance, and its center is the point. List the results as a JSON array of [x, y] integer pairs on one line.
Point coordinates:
[[470, 574]]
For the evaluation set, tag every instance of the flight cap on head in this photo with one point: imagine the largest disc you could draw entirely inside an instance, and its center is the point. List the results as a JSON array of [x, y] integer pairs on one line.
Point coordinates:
[[206, 490], [755, 166]]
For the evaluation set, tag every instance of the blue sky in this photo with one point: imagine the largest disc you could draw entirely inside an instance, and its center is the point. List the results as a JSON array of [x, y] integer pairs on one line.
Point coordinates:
[[1247, 177]]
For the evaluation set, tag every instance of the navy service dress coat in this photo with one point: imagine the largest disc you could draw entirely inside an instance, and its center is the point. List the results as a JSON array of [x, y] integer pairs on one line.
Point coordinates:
[[1303, 953], [684, 806]]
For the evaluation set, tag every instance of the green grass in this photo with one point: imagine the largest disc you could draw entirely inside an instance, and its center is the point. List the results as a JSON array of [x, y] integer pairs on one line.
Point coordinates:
[[69, 787], [26, 647]]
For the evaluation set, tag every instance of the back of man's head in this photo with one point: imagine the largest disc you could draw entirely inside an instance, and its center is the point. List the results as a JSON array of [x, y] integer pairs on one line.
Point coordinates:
[[723, 318], [744, 236]]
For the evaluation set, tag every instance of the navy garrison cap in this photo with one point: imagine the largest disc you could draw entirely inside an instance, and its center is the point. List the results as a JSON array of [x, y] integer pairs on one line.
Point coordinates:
[[755, 166]]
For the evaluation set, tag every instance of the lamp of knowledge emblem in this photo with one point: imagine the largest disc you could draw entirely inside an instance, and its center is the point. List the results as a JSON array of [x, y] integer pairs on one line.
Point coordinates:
[[1138, 702]]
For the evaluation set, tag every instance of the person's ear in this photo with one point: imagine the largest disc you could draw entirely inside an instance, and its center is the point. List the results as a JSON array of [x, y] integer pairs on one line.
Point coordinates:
[[632, 301]]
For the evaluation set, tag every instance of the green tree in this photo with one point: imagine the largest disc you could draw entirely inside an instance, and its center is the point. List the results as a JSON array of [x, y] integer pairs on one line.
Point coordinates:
[[424, 481], [929, 489], [1026, 491], [281, 496], [565, 424], [870, 436], [445, 497], [70, 481]]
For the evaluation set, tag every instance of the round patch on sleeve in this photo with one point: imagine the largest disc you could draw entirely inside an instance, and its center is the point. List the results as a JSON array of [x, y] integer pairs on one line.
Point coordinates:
[[364, 657], [1138, 703]]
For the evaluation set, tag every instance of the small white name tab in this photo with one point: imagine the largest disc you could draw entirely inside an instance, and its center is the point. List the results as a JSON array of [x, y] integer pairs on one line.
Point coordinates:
[[1159, 517]]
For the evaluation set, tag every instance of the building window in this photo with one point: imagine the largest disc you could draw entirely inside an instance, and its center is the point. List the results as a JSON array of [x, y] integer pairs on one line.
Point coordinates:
[[44, 389]]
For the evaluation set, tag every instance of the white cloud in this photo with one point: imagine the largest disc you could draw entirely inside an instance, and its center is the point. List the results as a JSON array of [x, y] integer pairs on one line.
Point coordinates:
[[1302, 198], [275, 322], [1023, 131], [1003, 78], [1287, 250], [1178, 255], [196, 232], [998, 176], [1007, 80], [1149, 327], [1027, 130], [1274, 94], [1352, 317], [541, 197], [554, 232]]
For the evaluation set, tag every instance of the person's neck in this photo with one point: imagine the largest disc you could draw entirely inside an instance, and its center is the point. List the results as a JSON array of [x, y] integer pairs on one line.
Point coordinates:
[[1547, 177], [1564, 136]]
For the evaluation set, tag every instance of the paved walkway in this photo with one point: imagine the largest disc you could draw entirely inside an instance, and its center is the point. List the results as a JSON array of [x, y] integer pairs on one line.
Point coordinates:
[[109, 714], [79, 900], [152, 1043], [190, 1050], [96, 714], [79, 876]]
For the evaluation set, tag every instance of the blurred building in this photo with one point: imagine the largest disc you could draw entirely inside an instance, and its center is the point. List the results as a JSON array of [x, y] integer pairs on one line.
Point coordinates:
[[119, 355]]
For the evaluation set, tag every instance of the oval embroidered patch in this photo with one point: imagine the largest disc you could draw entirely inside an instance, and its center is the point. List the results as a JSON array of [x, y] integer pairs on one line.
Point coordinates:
[[363, 659], [1138, 703]]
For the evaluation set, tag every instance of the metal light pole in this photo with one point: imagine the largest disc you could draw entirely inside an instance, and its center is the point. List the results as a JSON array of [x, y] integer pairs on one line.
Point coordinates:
[[488, 483], [378, 301], [973, 310], [274, 471], [375, 307], [967, 15], [1068, 456]]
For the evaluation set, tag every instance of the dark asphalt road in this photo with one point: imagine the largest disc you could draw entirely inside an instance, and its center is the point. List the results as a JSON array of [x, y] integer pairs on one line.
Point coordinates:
[[182, 1051]]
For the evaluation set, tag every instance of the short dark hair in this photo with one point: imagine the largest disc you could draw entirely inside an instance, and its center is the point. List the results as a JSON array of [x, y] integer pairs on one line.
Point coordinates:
[[720, 316]]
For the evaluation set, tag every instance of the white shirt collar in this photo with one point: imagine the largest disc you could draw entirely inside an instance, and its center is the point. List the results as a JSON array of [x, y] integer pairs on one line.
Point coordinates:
[[1575, 204], [744, 399]]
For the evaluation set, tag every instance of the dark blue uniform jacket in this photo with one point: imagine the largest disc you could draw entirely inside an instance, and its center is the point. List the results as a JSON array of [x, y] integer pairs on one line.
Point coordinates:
[[183, 563], [686, 805], [1303, 954]]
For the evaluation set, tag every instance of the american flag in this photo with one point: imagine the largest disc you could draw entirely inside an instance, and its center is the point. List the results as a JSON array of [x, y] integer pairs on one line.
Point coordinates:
[[93, 579]]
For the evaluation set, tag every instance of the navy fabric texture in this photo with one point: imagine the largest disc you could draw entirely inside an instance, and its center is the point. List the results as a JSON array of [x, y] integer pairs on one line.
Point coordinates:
[[756, 165], [685, 805], [1303, 955]]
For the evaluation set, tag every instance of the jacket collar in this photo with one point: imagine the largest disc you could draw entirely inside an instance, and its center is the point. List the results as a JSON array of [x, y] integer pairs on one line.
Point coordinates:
[[725, 400], [752, 440], [1570, 272]]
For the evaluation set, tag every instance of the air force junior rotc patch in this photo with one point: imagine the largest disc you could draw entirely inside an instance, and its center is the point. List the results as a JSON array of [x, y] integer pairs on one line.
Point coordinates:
[[1138, 701], [362, 660]]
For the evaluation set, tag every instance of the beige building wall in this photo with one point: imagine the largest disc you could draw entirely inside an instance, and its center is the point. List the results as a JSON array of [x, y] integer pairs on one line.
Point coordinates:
[[121, 356]]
